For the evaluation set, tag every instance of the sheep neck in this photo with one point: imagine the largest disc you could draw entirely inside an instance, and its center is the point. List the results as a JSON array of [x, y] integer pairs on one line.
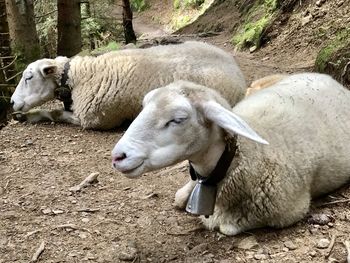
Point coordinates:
[[64, 92], [220, 167]]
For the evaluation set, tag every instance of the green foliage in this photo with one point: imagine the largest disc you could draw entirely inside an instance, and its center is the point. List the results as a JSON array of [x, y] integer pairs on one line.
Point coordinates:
[[186, 11], [187, 3], [99, 25], [257, 19], [180, 22], [111, 46], [139, 5], [341, 40], [251, 34]]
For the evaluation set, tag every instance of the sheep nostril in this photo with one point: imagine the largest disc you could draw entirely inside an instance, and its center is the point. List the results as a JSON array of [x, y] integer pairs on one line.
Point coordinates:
[[119, 157]]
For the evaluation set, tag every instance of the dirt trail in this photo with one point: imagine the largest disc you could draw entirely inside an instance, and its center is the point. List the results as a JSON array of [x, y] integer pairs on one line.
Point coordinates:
[[119, 219]]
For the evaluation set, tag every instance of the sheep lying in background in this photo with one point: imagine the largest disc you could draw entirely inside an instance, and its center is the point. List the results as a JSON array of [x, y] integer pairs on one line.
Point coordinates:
[[108, 89], [304, 118], [263, 83]]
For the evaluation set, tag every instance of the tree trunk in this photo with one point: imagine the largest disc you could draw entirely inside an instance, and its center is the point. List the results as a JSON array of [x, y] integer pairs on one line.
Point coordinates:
[[129, 33], [24, 38], [6, 68], [69, 27]]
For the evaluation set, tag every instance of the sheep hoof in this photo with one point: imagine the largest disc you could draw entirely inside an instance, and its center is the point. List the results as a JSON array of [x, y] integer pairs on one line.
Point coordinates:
[[181, 198], [19, 116], [230, 230]]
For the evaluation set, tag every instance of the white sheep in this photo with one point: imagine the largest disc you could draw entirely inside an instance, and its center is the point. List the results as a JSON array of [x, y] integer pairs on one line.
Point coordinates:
[[304, 118], [108, 89]]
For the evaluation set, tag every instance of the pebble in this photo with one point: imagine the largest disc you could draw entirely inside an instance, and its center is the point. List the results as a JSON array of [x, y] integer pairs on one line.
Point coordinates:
[[260, 256], [128, 255], [247, 243], [290, 245], [320, 219], [323, 243], [199, 248], [46, 211], [312, 253], [85, 220]]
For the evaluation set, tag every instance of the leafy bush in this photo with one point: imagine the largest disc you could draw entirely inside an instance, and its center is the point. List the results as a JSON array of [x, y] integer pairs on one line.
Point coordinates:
[[187, 3], [139, 5]]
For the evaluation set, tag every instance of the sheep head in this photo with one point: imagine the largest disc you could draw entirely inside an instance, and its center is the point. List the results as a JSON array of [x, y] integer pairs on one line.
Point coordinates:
[[181, 121], [37, 84]]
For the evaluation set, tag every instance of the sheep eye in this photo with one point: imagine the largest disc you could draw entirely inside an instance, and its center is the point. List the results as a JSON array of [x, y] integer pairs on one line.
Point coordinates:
[[28, 78], [175, 121]]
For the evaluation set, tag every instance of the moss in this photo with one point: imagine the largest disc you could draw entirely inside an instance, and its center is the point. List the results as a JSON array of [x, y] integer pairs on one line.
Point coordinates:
[[341, 40], [257, 18], [180, 22], [251, 34]]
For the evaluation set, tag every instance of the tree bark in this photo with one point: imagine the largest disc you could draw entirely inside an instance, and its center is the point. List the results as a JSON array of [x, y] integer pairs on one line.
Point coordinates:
[[23, 34], [129, 33], [69, 40], [5, 55]]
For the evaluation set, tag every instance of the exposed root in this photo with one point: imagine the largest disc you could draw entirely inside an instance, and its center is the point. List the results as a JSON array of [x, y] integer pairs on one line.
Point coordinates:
[[91, 179], [38, 252]]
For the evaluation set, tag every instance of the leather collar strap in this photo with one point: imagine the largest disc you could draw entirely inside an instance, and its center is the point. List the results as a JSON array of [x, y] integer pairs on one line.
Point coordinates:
[[221, 167], [64, 91]]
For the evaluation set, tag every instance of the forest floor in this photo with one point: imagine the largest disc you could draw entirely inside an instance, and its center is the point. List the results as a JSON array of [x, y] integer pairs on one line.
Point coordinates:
[[118, 219]]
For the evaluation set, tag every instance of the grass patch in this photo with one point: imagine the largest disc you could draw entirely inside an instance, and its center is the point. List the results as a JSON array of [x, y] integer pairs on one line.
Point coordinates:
[[111, 46], [258, 18], [341, 40]]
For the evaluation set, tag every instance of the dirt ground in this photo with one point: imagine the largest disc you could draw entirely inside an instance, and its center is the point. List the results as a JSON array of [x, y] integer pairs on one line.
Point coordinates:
[[119, 219]]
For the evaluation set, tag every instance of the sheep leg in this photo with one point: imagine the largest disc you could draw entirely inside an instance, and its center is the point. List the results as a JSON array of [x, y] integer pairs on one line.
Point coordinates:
[[183, 194], [42, 115]]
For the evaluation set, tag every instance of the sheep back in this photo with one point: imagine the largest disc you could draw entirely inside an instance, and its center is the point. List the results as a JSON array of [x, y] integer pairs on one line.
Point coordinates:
[[109, 89], [305, 118]]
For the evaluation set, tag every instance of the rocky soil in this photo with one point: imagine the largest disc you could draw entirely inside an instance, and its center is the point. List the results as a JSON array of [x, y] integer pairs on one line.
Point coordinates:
[[116, 219]]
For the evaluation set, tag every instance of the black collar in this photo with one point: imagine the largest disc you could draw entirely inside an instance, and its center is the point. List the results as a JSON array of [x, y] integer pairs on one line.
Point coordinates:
[[221, 167], [64, 92]]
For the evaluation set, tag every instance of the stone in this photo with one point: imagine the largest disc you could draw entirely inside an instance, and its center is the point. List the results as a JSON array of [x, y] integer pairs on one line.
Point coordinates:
[[290, 245], [247, 243], [323, 243], [260, 256]]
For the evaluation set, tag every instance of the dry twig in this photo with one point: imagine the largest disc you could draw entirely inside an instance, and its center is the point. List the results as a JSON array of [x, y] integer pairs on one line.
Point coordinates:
[[336, 202], [71, 226], [347, 246], [331, 246], [88, 210], [32, 233], [38, 252], [92, 178]]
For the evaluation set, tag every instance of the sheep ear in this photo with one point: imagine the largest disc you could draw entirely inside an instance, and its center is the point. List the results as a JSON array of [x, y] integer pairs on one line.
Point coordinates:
[[229, 121], [48, 70]]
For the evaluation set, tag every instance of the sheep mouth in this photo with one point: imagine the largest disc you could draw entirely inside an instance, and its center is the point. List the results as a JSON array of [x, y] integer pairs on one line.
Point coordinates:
[[131, 172]]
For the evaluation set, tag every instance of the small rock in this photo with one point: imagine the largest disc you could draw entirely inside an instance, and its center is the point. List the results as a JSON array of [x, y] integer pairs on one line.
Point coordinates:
[[58, 211], [305, 20], [46, 211], [330, 224], [82, 235], [247, 243], [313, 253], [252, 49], [29, 142], [323, 243], [199, 248], [129, 254], [340, 3], [260, 256], [290, 245], [85, 220]]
